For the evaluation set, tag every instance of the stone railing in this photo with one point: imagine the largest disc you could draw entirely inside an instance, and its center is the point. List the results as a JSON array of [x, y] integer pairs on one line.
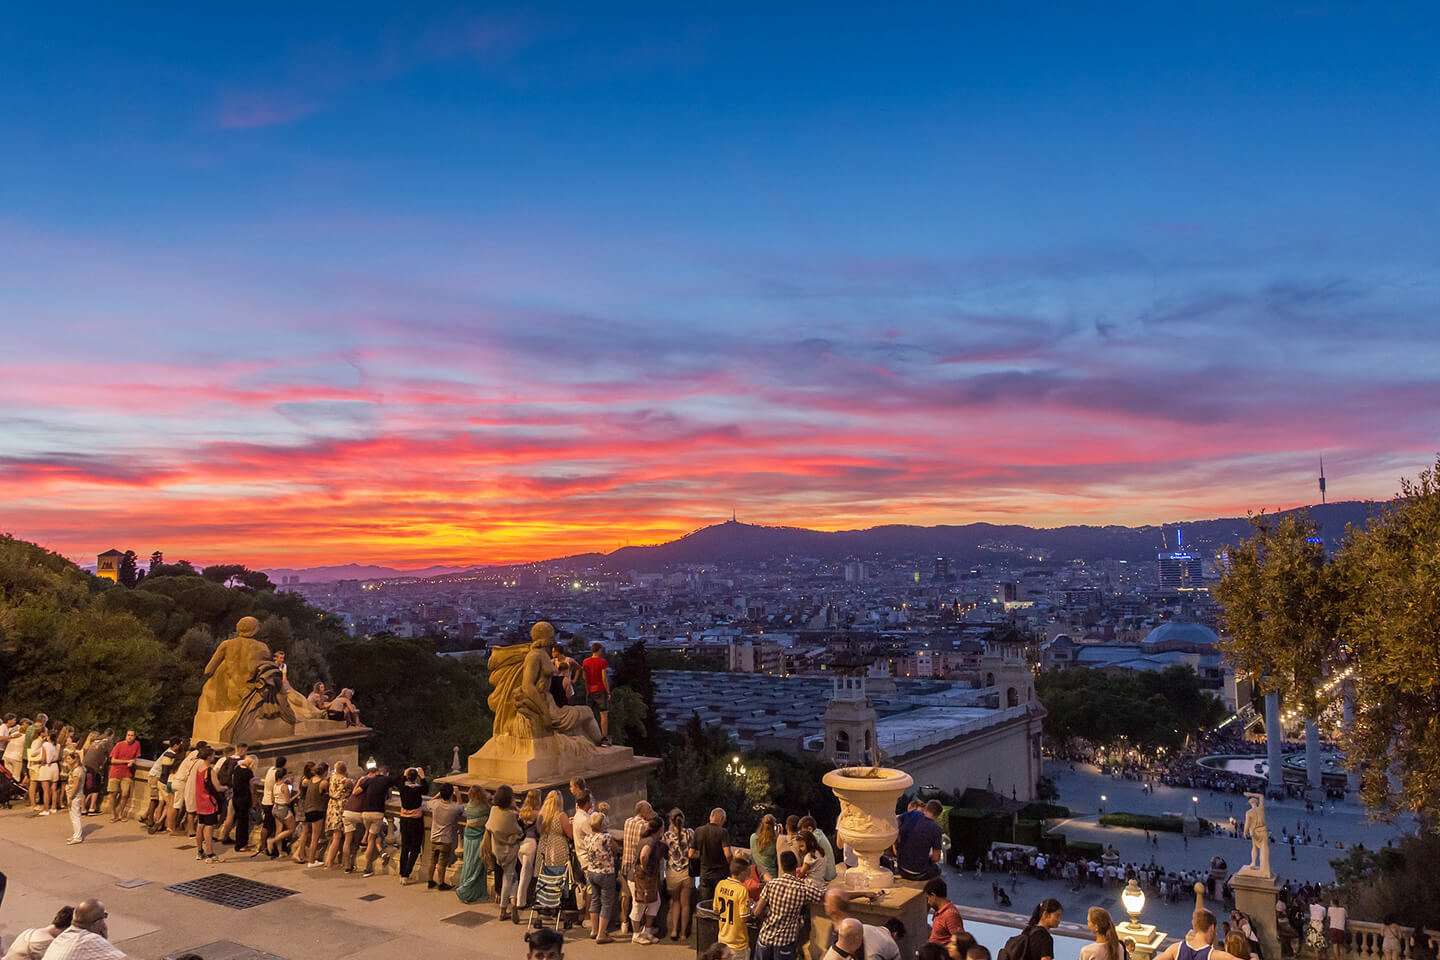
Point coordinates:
[[1365, 940]]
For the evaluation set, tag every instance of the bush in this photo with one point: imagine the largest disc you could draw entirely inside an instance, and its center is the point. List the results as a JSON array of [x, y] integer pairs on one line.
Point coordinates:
[[1140, 821], [1043, 811], [1084, 848], [1028, 832]]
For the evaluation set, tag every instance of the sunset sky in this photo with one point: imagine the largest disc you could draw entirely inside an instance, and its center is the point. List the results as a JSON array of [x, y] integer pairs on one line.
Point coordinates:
[[341, 284]]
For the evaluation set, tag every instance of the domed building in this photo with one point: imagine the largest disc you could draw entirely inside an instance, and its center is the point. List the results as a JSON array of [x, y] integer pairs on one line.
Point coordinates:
[[1184, 633]]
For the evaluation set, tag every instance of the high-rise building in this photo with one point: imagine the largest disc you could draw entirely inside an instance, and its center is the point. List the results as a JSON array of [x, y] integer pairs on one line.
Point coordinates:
[[942, 569], [1179, 570]]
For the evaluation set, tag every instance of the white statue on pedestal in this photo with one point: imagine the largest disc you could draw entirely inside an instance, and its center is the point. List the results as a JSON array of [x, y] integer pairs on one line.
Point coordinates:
[[1259, 836]]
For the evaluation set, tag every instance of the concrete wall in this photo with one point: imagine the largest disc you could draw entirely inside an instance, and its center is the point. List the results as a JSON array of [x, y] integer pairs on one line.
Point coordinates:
[[1005, 754]]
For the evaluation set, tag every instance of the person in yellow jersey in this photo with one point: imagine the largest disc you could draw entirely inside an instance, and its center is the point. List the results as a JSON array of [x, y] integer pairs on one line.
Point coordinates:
[[732, 905]]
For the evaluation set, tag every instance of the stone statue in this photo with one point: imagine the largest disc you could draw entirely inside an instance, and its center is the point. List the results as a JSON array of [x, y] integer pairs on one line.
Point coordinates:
[[227, 680], [1259, 836], [265, 712], [520, 696]]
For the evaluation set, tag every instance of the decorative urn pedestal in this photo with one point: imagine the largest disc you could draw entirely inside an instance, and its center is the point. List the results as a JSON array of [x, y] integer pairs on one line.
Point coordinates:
[[867, 819]]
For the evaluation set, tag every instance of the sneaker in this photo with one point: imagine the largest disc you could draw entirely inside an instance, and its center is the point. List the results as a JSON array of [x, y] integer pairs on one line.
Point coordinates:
[[314, 863], [444, 886], [368, 874], [212, 859], [46, 813], [430, 885]]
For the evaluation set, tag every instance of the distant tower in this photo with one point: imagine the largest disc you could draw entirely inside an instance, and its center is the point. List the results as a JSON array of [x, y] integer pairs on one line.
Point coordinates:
[[850, 716], [1322, 478], [734, 516], [107, 565]]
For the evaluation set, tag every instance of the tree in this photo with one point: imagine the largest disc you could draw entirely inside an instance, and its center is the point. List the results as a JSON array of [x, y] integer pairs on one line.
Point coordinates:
[[156, 559], [1281, 604], [126, 573], [419, 704], [1146, 709], [632, 672], [1392, 571], [628, 716]]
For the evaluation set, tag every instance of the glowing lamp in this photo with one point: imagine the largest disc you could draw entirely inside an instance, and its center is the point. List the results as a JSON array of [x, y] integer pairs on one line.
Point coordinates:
[[371, 764], [1134, 900]]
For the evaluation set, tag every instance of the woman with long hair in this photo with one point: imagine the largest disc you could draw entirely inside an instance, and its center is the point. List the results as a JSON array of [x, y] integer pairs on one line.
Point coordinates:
[[678, 839], [48, 772], [762, 848], [340, 786], [1107, 941], [1391, 940], [811, 868], [283, 812], [505, 832], [1040, 945], [303, 821], [554, 847], [475, 871], [529, 817], [314, 802]]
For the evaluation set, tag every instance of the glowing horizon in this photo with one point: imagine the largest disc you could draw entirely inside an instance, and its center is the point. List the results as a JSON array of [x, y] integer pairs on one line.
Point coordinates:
[[412, 289]]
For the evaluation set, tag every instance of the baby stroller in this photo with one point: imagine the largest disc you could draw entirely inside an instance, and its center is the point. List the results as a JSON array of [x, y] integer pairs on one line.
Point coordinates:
[[552, 886], [9, 789]]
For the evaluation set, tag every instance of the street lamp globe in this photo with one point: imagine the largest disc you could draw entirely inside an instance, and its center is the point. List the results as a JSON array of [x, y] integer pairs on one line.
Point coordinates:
[[1134, 900]]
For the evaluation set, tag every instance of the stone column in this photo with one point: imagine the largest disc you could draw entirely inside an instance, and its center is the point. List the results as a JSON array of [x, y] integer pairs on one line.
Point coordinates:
[[1274, 737], [1347, 693], [1312, 758], [1255, 897]]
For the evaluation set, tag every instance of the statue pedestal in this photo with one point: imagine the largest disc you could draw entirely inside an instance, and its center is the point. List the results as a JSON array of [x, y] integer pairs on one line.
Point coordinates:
[[907, 904], [1255, 896], [327, 740], [1147, 941], [614, 774]]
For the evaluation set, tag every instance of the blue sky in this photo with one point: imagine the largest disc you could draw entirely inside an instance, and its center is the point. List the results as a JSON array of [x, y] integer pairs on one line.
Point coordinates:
[[601, 269]]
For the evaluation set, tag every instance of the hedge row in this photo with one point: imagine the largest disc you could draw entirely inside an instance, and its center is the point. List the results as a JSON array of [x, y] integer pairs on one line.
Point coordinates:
[[1140, 821]]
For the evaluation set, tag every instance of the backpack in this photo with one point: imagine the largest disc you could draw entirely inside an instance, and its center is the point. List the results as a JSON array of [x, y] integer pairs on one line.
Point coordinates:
[[1017, 947], [222, 775]]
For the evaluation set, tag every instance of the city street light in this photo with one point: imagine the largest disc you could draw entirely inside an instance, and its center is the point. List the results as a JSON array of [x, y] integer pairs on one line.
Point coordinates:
[[1103, 800], [1143, 937], [1195, 807]]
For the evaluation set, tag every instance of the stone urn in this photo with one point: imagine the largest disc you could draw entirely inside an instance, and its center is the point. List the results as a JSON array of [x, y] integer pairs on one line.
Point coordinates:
[[867, 819]]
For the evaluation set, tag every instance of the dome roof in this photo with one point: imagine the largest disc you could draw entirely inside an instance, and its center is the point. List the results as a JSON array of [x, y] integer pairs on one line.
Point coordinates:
[[1182, 632]]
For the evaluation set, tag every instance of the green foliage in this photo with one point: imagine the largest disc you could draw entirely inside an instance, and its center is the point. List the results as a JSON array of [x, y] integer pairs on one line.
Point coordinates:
[[972, 831], [63, 652], [1142, 821], [1391, 881], [419, 704], [126, 572], [1084, 848], [1047, 791], [1147, 709], [1028, 832], [628, 716], [632, 671], [1282, 604], [693, 776], [1043, 811], [1391, 571]]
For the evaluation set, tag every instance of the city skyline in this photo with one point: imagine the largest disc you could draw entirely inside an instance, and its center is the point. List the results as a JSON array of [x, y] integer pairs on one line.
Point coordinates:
[[490, 286]]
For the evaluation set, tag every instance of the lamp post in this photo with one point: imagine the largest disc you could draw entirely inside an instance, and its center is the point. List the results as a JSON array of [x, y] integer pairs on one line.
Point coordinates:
[[1195, 807], [1142, 939], [1103, 800]]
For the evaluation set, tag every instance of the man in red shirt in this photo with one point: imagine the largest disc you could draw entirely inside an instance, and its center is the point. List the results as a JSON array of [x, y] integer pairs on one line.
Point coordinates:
[[947, 920], [597, 686], [122, 776]]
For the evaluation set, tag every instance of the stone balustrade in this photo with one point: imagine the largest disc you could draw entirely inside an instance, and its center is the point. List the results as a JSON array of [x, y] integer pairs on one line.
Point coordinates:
[[1365, 940]]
